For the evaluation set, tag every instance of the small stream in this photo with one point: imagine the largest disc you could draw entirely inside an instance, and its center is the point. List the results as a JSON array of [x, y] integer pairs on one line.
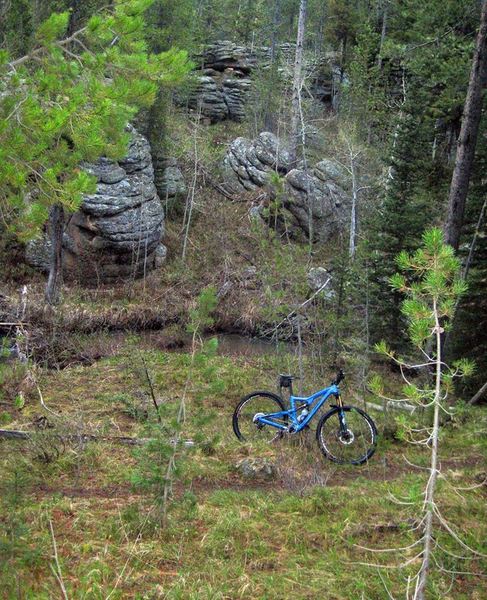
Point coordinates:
[[93, 347], [229, 344]]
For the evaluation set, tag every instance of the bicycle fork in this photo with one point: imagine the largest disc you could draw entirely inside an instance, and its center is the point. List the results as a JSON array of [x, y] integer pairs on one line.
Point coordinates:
[[341, 415]]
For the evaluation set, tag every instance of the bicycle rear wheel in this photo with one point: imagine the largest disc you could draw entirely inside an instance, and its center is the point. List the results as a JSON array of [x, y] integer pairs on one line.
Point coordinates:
[[353, 444], [245, 425]]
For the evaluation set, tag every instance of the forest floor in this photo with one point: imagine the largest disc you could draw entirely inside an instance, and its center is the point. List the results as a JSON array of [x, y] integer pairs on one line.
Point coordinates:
[[299, 533]]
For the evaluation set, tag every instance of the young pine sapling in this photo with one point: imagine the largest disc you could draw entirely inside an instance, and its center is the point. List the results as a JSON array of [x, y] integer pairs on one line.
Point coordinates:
[[431, 282]]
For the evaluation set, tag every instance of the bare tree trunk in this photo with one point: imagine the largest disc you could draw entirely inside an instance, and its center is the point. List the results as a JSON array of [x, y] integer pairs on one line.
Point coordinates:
[[468, 136], [321, 31], [353, 214], [466, 267], [54, 282], [476, 234], [383, 34], [430, 488], [188, 211], [297, 83], [248, 11], [474, 399], [269, 118]]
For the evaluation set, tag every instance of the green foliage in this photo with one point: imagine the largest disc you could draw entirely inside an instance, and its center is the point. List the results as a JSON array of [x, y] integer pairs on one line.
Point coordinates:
[[17, 550], [410, 109], [283, 275], [53, 28], [163, 457], [65, 103], [172, 23], [200, 317], [432, 285], [435, 285]]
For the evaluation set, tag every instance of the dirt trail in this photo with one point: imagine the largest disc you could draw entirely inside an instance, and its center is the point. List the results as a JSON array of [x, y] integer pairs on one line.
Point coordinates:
[[333, 476]]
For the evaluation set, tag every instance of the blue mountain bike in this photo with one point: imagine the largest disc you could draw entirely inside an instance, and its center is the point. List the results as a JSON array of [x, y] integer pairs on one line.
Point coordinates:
[[345, 434]]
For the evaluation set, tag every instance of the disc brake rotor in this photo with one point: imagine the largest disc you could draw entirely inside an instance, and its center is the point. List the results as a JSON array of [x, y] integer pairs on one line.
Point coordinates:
[[346, 437]]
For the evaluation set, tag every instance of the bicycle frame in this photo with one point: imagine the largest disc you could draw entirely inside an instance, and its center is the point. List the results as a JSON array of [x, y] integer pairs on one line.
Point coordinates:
[[319, 397]]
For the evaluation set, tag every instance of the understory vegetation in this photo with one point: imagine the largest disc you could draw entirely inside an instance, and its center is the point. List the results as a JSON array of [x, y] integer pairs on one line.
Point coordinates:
[[225, 535]]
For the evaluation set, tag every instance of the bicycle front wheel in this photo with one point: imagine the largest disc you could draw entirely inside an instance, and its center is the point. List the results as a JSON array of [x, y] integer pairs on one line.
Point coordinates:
[[351, 442], [245, 424]]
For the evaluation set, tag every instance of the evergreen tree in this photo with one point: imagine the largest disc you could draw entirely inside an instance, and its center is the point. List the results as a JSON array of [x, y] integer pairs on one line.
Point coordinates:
[[67, 101], [424, 70]]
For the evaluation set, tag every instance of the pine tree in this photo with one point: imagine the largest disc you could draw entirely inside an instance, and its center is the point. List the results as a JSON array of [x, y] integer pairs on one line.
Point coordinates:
[[431, 283], [67, 101]]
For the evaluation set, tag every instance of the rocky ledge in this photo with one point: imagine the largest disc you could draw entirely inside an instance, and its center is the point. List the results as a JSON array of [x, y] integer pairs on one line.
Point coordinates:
[[319, 192]]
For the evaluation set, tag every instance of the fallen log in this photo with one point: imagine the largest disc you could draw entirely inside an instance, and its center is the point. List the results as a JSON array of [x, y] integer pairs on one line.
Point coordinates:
[[394, 405], [13, 434], [474, 399]]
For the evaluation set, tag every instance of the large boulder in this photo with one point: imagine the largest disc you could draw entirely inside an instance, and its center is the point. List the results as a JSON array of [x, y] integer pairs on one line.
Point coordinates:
[[117, 231], [324, 201], [315, 199]]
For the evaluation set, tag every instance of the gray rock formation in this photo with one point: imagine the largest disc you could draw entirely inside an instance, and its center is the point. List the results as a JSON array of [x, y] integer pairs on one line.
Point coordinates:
[[249, 164], [319, 193], [169, 179], [117, 231], [256, 468], [38, 253], [208, 99], [224, 81], [317, 278]]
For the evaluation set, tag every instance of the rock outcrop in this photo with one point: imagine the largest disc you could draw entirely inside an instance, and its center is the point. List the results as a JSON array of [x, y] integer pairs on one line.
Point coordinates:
[[220, 96], [224, 80], [117, 231], [249, 164], [319, 192], [168, 178]]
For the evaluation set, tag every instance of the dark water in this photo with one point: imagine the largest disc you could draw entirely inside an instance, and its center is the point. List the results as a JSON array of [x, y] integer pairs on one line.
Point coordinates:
[[233, 344], [229, 344]]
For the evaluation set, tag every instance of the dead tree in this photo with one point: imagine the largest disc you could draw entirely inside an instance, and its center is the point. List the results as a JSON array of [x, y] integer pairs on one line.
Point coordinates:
[[297, 83], [54, 281], [467, 140]]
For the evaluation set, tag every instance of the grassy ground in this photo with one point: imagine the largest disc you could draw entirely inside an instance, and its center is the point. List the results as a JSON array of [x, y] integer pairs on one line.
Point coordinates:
[[296, 534]]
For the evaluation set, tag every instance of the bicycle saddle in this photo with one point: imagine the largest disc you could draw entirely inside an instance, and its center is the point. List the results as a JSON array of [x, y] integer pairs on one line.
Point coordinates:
[[286, 380]]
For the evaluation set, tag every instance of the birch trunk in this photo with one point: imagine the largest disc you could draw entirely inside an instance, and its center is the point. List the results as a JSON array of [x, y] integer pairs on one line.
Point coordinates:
[[297, 82]]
